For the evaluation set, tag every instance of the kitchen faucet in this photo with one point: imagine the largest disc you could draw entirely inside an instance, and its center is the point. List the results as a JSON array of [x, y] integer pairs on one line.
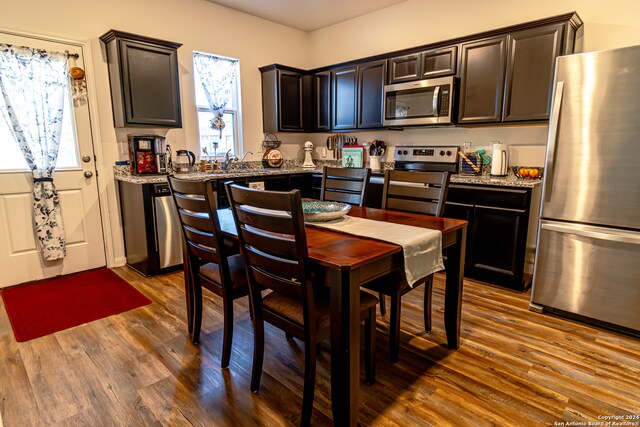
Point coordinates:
[[227, 160], [243, 157]]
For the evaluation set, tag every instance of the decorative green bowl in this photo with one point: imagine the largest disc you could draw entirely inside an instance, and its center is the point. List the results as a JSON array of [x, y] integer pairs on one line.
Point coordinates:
[[318, 211]]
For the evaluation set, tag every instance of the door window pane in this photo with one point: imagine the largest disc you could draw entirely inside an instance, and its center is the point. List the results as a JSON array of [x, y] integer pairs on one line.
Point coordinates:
[[12, 158]]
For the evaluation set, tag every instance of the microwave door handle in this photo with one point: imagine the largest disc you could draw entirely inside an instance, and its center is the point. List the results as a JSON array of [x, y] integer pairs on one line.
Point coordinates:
[[436, 96]]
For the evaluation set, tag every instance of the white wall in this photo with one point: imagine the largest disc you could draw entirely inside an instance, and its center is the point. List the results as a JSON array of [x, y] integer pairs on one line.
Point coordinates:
[[198, 25]]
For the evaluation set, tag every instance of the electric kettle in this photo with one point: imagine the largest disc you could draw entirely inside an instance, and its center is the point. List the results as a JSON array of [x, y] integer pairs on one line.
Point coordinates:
[[499, 160], [184, 161]]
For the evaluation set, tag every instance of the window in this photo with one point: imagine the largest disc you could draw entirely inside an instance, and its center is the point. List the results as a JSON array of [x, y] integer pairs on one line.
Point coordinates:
[[217, 84]]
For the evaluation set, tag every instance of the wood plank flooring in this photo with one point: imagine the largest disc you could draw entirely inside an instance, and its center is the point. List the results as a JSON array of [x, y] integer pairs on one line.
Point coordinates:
[[139, 368]]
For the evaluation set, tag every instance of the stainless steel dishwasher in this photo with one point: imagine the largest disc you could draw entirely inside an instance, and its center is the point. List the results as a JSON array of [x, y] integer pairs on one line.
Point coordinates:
[[152, 235]]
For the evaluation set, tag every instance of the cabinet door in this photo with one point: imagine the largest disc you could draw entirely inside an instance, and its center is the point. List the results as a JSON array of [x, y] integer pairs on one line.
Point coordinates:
[[345, 97], [290, 114], [151, 94], [498, 245], [439, 62], [404, 68], [482, 80], [532, 57], [322, 91], [371, 77]]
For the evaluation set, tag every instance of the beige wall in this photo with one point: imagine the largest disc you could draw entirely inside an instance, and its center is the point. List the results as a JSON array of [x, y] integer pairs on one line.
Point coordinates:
[[198, 25]]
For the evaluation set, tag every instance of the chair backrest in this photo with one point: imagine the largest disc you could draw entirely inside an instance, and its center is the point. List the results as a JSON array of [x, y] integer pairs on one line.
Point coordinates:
[[273, 240], [347, 185], [415, 191], [197, 208]]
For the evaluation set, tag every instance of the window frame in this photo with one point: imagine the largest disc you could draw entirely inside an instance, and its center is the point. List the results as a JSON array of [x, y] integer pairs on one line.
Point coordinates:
[[236, 112]]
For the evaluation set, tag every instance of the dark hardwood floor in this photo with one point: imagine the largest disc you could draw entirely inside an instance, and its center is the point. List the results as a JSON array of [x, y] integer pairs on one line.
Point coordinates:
[[138, 368]]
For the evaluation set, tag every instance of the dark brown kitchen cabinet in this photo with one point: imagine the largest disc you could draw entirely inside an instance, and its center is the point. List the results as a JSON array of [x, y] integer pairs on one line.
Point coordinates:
[[482, 73], [498, 220], [358, 96], [371, 78], [531, 63], [143, 74], [322, 98], [404, 68], [283, 99], [424, 65], [344, 83], [439, 62]]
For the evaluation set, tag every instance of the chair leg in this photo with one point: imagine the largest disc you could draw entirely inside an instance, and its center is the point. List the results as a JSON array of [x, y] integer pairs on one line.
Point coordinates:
[[227, 339], [309, 379], [428, 292], [258, 349], [383, 305], [197, 310], [394, 327], [370, 347]]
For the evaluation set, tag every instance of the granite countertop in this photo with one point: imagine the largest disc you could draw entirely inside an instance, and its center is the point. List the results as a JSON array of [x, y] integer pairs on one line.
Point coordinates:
[[255, 169]]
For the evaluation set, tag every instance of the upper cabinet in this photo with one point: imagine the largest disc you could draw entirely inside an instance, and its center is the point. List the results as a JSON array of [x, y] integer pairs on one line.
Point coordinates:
[[505, 75], [509, 78], [424, 65], [371, 78], [481, 87], [358, 96], [284, 99], [322, 98], [531, 62], [344, 83], [143, 73]]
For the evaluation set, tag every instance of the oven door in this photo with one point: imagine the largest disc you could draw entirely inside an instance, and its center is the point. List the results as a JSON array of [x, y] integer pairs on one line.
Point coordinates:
[[425, 102]]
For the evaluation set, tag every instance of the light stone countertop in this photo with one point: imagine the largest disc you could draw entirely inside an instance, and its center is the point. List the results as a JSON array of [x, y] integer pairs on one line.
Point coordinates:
[[122, 174]]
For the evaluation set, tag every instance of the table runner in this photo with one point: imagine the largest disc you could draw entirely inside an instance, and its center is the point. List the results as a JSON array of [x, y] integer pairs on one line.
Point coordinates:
[[422, 247]]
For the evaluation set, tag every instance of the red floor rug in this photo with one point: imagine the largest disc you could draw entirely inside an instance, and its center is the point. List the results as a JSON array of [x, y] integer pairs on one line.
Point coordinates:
[[42, 308]]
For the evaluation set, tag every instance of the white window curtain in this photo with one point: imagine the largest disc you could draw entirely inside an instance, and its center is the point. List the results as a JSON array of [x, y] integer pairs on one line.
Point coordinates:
[[32, 84], [217, 76]]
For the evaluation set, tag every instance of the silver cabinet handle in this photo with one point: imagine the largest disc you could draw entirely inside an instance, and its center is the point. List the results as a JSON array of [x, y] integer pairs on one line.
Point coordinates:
[[553, 136], [88, 174]]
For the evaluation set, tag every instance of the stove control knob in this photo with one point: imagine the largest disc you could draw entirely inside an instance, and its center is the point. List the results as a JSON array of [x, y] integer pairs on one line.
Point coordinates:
[[399, 152], [442, 152], [449, 152], [405, 152]]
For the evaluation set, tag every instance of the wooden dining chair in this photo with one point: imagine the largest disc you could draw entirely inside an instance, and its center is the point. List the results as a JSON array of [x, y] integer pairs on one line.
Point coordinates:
[[346, 185], [409, 191], [212, 262], [273, 242]]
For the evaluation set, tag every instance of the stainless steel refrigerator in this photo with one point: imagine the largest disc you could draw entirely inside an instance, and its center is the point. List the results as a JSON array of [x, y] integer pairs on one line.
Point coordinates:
[[588, 252]]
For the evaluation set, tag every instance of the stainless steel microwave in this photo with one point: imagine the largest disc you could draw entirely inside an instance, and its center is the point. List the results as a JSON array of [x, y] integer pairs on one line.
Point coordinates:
[[422, 102]]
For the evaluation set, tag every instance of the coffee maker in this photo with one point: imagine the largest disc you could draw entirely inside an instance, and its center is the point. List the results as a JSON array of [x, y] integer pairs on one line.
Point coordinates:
[[147, 154]]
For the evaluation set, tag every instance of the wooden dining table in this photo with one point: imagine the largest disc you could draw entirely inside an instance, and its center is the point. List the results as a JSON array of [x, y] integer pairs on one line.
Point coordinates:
[[343, 262]]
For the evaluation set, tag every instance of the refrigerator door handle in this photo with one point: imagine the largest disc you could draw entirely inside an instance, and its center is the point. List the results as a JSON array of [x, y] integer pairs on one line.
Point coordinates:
[[553, 136], [594, 233]]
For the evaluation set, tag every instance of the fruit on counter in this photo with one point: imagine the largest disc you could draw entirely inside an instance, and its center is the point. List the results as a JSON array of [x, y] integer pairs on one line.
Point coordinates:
[[528, 172]]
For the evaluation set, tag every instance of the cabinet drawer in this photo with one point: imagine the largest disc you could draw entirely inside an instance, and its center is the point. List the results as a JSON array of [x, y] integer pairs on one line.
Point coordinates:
[[509, 197]]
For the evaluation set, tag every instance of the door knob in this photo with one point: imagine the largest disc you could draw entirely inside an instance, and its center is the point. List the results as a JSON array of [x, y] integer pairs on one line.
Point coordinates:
[[88, 174], [86, 159]]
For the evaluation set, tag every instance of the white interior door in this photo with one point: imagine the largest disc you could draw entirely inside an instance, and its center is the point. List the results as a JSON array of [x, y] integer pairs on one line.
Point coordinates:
[[75, 180]]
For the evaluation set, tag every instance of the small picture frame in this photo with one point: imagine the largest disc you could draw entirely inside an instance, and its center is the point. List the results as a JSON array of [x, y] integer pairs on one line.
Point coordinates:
[[353, 157]]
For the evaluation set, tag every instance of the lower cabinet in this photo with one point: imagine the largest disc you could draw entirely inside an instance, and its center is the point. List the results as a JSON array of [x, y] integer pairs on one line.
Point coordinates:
[[285, 182], [497, 232]]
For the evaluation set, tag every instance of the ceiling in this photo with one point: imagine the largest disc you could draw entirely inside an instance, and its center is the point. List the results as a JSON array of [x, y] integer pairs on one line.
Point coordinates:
[[307, 15]]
